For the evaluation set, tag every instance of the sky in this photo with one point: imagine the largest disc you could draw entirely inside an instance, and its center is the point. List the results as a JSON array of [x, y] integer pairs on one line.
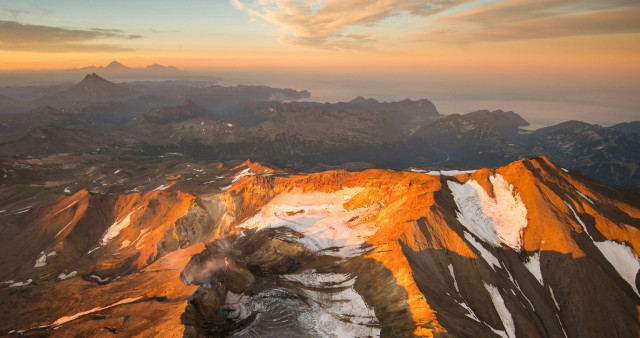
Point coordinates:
[[570, 56]]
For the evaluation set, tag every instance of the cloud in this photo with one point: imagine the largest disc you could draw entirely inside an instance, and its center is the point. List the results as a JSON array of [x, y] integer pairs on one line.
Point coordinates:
[[25, 37], [327, 23], [346, 24], [537, 19]]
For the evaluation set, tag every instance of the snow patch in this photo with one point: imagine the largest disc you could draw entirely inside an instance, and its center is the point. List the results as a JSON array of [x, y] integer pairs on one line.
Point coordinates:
[[494, 220], [161, 187], [65, 208], [22, 210], [67, 319], [115, 229], [470, 312], [321, 218], [553, 297], [241, 174], [533, 265], [584, 196], [443, 172], [42, 261], [486, 255], [505, 315], [330, 306], [575, 214], [62, 276], [341, 312], [25, 283], [623, 259], [101, 280], [455, 282]]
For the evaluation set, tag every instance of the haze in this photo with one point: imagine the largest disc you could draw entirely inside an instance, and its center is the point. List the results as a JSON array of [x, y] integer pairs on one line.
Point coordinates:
[[549, 61]]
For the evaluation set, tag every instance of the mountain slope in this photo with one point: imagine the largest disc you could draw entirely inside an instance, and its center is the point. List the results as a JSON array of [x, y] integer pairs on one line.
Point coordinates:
[[95, 88], [526, 250]]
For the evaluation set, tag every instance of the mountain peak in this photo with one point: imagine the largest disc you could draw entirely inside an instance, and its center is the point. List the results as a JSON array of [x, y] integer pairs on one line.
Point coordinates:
[[361, 100], [116, 66], [93, 79], [94, 87]]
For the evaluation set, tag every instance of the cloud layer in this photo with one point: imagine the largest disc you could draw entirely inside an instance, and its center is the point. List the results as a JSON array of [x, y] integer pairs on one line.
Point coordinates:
[[346, 24], [25, 37], [537, 19], [327, 23]]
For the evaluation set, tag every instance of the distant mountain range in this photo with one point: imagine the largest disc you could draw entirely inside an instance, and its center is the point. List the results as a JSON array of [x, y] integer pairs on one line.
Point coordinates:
[[117, 68], [261, 123]]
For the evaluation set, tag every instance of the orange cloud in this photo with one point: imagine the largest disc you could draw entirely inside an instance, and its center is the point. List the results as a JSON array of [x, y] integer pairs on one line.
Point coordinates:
[[326, 23]]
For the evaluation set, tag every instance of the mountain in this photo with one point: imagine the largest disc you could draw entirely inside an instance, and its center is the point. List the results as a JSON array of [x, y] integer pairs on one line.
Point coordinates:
[[526, 250], [628, 127], [95, 88], [168, 114], [15, 126], [605, 153], [115, 68], [478, 122], [53, 139]]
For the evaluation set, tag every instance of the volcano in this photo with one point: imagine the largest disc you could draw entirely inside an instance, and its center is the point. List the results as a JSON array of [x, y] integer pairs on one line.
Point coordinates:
[[529, 249]]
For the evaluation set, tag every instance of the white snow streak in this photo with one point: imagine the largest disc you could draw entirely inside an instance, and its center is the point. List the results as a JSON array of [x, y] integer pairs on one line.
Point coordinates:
[[25, 283], [553, 297], [533, 265], [67, 319], [623, 259], [442, 172], [486, 255], [161, 187], [62, 276], [101, 280], [470, 312], [65, 208], [505, 315], [115, 229], [575, 214], [585, 197], [243, 173], [455, 282]]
